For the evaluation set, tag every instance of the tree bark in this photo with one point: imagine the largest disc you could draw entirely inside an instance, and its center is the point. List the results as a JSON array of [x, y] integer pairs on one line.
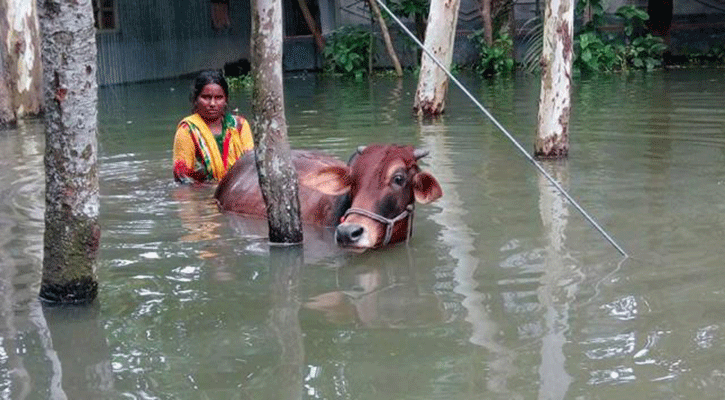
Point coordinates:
[[485, 8], [552, 135], [319, 39], [277, 178], [7, 111], [21, 72], [439, 39], [72, 231], [386, 37]]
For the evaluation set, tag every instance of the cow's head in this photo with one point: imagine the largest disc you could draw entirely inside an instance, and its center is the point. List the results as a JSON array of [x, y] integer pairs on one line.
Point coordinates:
[[383, 182]]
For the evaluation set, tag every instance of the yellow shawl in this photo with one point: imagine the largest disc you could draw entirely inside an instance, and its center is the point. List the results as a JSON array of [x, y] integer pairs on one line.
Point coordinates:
[[237, 141]]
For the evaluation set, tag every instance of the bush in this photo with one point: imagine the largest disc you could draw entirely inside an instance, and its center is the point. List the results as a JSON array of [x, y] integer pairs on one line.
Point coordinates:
[[597, 52], [494, 59], [347, 51]]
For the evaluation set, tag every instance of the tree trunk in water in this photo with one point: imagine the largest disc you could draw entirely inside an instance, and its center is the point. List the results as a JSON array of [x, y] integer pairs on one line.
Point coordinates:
[[21, 72], [552, 135], [72, 231], [485, 8], [439, 39], [386, 37], [7, 111], [310, 20], [277, 177]]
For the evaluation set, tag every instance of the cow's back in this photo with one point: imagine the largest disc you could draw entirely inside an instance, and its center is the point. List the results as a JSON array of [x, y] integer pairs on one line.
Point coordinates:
[[239, 191]]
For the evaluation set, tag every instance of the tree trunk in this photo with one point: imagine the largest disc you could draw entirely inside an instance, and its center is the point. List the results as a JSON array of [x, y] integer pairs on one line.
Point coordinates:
[[7, 111], [277, 177], [22, 69], [386, 37], [319, 40], [485, 8], [552, 135], [72, 231], [439, 39]]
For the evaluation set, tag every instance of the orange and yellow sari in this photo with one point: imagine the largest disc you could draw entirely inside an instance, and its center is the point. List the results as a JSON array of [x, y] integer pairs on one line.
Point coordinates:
[[201, 156]]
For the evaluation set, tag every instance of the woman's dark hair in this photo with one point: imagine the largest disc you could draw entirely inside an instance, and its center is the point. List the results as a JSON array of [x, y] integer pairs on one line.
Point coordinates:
[[204, 78]]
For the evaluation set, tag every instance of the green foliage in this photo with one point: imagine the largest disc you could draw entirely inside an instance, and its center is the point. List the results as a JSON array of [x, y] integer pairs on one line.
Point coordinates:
[[599, 52], [240, 82], [717, 54], [633, 17], [494, 59], [347, 51], [595, 8], [594, 55], [645, 52], [409, 8]]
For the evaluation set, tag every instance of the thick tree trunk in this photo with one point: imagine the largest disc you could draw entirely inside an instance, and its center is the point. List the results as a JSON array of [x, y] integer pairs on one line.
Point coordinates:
[[277, 178], [386, 37], [21, 73], [72, 232], [439, 39], [552, 135]]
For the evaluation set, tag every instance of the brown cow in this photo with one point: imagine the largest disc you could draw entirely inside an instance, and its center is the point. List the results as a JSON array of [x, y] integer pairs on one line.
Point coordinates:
[[371, 200]]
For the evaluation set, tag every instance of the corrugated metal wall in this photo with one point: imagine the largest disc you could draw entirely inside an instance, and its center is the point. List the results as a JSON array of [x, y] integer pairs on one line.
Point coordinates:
[[161, 39]]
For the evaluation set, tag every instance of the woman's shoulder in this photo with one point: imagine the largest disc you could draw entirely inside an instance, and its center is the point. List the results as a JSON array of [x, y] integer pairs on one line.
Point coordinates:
[[239, 119], [187, 121]]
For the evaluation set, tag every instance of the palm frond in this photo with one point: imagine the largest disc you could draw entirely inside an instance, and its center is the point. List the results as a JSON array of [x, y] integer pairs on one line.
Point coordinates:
[[532, 43]]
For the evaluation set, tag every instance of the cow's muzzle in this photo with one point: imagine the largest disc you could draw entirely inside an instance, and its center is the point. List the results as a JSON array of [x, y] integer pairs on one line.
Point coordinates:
[[350, 235]]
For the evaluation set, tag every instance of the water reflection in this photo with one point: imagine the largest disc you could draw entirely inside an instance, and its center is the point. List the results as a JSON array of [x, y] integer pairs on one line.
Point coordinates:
[[80, 363], [458, 237], [375, 293], [285, 264], [559, 283]]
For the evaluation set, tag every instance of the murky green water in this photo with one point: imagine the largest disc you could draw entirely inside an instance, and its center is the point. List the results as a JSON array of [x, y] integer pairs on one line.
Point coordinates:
[[505, 291]]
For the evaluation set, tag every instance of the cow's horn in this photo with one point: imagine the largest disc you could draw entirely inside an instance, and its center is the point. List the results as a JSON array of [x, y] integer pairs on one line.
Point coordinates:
[[360, 149], [420, 153]]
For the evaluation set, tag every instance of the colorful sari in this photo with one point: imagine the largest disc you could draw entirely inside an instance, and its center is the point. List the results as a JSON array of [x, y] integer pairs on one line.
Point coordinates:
[[203, 157]]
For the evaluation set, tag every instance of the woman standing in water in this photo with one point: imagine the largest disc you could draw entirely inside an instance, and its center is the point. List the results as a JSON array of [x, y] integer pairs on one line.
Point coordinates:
[[208, 142]]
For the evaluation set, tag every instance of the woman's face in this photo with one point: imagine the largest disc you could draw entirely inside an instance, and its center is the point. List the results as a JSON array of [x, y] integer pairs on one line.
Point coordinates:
[[211, 102]]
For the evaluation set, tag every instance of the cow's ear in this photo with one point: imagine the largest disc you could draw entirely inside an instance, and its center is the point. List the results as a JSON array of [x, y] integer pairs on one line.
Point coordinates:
[[332, 180], [426, 188]]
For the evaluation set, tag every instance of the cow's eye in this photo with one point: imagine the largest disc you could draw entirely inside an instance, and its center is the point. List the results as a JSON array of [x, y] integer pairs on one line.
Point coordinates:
[[399, 179]]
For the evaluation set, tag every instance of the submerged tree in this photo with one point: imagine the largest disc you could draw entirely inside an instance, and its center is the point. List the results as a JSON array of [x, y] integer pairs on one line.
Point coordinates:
[[552, 134], [277, 178], [20, 65], [440, 36], [72, 231]]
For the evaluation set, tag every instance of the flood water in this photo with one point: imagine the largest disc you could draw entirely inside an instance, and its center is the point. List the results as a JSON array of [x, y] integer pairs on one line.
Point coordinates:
[[505, 290]]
